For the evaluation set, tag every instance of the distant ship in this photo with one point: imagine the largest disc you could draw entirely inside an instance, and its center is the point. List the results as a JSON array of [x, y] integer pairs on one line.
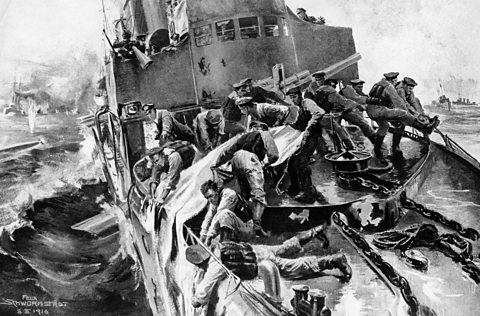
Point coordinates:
[[464, 101]]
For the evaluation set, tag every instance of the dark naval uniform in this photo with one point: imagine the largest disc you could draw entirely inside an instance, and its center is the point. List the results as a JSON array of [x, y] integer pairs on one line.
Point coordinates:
[[309, 121], [326, 97], [354, 116], [391, 108]]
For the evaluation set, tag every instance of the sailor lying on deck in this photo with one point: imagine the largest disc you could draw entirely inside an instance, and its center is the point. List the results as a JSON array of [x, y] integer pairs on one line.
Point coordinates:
[[243, 260]]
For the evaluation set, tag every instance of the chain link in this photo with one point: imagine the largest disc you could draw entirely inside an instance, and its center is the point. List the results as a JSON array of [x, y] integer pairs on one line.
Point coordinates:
[[353, 181], [435, 216], [390, 273]]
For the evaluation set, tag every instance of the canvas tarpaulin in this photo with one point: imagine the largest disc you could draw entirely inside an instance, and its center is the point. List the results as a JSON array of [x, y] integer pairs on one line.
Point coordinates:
[[187, 201]]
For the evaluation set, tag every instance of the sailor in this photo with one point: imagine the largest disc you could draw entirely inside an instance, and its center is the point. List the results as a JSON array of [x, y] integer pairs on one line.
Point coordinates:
[[258, 94], [340, 136], [232, 114], [354, 92], [168, 128], [125, 46], [167, 162], [302, 14], [392, 108], [405, 91], [332, 102], [247, 157], [270, 114], [209, 127], [243, 259], [309, 117], [226, 214]]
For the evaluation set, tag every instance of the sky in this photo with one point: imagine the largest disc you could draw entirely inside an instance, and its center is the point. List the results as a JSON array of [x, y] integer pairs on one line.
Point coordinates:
[[431, 41]]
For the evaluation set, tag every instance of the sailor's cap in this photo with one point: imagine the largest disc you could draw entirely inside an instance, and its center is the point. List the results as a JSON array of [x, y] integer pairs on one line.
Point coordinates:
[[356, 81], [148, 106], [330, 81], [391, 75], [214, 117], [259, 124], [409, 81], [154, 151], [237, 85], [243, 101], [294, 90], [196, 254], [319, 74], [246, 80]]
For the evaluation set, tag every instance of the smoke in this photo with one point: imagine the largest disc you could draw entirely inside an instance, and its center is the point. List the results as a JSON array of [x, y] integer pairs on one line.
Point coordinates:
[[52, 46], [430, 41]]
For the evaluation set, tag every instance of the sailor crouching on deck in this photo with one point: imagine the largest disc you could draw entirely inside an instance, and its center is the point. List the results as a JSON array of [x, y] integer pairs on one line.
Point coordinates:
[[209, 127], [309, 117], [222, 218], [247, 155], [271, 114], [167, 162], [243, 260]]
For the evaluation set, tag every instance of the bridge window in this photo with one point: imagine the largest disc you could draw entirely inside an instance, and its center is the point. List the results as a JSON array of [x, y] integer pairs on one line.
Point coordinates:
[[285, 26], [249, 27], [203, 35], [271, 26], [225, 30]]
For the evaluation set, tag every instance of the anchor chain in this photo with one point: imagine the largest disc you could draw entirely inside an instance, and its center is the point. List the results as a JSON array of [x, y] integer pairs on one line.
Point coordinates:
[[464, 257], [435, 216], [392, 275], [365, 183]]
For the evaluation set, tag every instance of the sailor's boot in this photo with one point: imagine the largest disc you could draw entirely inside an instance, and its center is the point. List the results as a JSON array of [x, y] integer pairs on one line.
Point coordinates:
[[338, 261], [372, 139], [377, 148], [316, 232], [425, 128], [257, 210], [307, 195], [397, 137]]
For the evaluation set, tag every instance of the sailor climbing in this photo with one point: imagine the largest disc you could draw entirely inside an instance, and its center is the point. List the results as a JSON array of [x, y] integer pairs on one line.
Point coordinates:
[[309, 117], [167, 162], [270, 114], [243, 260], [392, 108], [247, 156], [209, 127]]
